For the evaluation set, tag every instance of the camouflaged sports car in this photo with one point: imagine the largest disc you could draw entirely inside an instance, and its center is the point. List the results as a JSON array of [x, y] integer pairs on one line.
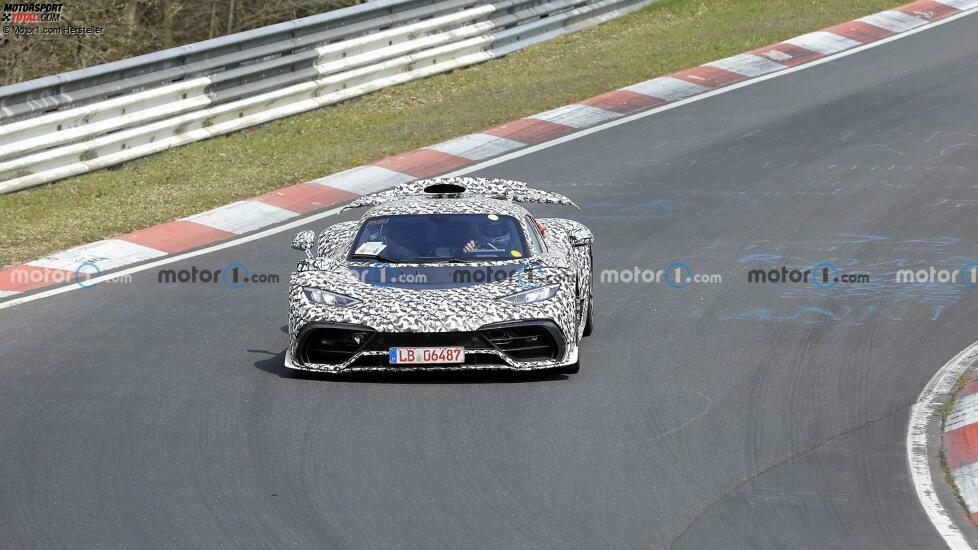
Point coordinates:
[[443, 274]]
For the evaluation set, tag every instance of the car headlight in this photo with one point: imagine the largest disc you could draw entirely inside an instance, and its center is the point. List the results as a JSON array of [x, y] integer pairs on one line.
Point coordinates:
[[533, 295], [325, 297]]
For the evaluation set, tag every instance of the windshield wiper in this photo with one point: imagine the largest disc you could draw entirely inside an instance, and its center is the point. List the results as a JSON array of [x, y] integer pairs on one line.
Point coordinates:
[[380, 257], [443, 259]]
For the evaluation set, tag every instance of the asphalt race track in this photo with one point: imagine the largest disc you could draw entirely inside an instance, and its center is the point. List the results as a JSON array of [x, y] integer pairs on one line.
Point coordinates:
[[723, 415]]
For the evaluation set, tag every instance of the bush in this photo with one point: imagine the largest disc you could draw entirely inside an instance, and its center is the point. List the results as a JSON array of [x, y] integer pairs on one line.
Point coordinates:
[[140, 26]]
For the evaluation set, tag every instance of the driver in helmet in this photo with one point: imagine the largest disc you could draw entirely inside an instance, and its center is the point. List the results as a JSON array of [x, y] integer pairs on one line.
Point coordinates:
[[397, 244], [490, 234]]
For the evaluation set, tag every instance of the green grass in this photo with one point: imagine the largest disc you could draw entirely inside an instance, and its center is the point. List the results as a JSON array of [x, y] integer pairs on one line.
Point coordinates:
[[663, 38]]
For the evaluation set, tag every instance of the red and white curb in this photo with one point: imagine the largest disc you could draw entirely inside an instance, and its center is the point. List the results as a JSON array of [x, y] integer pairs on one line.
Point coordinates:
[[277, 206], [924, 439], [961, 445]]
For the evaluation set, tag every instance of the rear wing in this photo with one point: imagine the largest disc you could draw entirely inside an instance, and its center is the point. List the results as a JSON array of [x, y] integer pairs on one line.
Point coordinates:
[[462, 187]]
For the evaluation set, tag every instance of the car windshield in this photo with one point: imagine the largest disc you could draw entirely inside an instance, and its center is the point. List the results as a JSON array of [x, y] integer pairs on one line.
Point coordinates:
[[422, 238]]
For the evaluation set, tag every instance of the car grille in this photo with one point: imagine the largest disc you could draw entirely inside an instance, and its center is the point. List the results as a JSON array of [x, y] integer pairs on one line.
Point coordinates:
[[383, 341], [334, 345]]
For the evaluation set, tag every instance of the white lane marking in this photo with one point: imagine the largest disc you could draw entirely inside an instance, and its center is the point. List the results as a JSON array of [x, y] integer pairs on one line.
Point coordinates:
[[965, 412], [941, 384], [667, 88], [477, 146], [242, 216], [747, 64], [364, 180], [966, 478], [107, 254], [895, 21], [5, 293], [479, 166], [825, 43], [576, 116]]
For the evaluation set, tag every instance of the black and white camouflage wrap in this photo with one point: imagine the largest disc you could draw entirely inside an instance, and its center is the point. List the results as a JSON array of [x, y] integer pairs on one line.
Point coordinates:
[[460, 309], [508, 190], [557, 237]]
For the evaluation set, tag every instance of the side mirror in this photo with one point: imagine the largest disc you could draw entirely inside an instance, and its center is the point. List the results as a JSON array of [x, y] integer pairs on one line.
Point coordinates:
[[581, 237], [304, 241]]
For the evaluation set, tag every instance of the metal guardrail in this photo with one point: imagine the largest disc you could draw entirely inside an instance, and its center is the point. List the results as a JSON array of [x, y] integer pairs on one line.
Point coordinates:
[[76, 122]]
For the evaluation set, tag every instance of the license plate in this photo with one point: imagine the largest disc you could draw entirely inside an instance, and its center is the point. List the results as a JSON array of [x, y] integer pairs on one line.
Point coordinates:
[[426, 356]]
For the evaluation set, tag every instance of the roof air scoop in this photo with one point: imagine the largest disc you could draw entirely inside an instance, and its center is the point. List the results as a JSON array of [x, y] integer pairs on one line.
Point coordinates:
[[453, 187], [444, 189]]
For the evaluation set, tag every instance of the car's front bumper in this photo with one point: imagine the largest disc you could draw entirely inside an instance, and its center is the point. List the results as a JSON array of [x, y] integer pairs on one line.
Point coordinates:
[[499, 346]]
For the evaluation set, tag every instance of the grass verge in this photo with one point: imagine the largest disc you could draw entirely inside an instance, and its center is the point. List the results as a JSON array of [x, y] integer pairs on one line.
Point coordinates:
[[663, 38]]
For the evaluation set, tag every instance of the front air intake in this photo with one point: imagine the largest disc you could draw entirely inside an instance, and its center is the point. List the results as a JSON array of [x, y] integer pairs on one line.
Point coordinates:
[[332, 345], [522, 341]]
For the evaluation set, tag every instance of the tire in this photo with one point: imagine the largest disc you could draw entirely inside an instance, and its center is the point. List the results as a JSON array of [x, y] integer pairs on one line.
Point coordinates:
[[589, 322]]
